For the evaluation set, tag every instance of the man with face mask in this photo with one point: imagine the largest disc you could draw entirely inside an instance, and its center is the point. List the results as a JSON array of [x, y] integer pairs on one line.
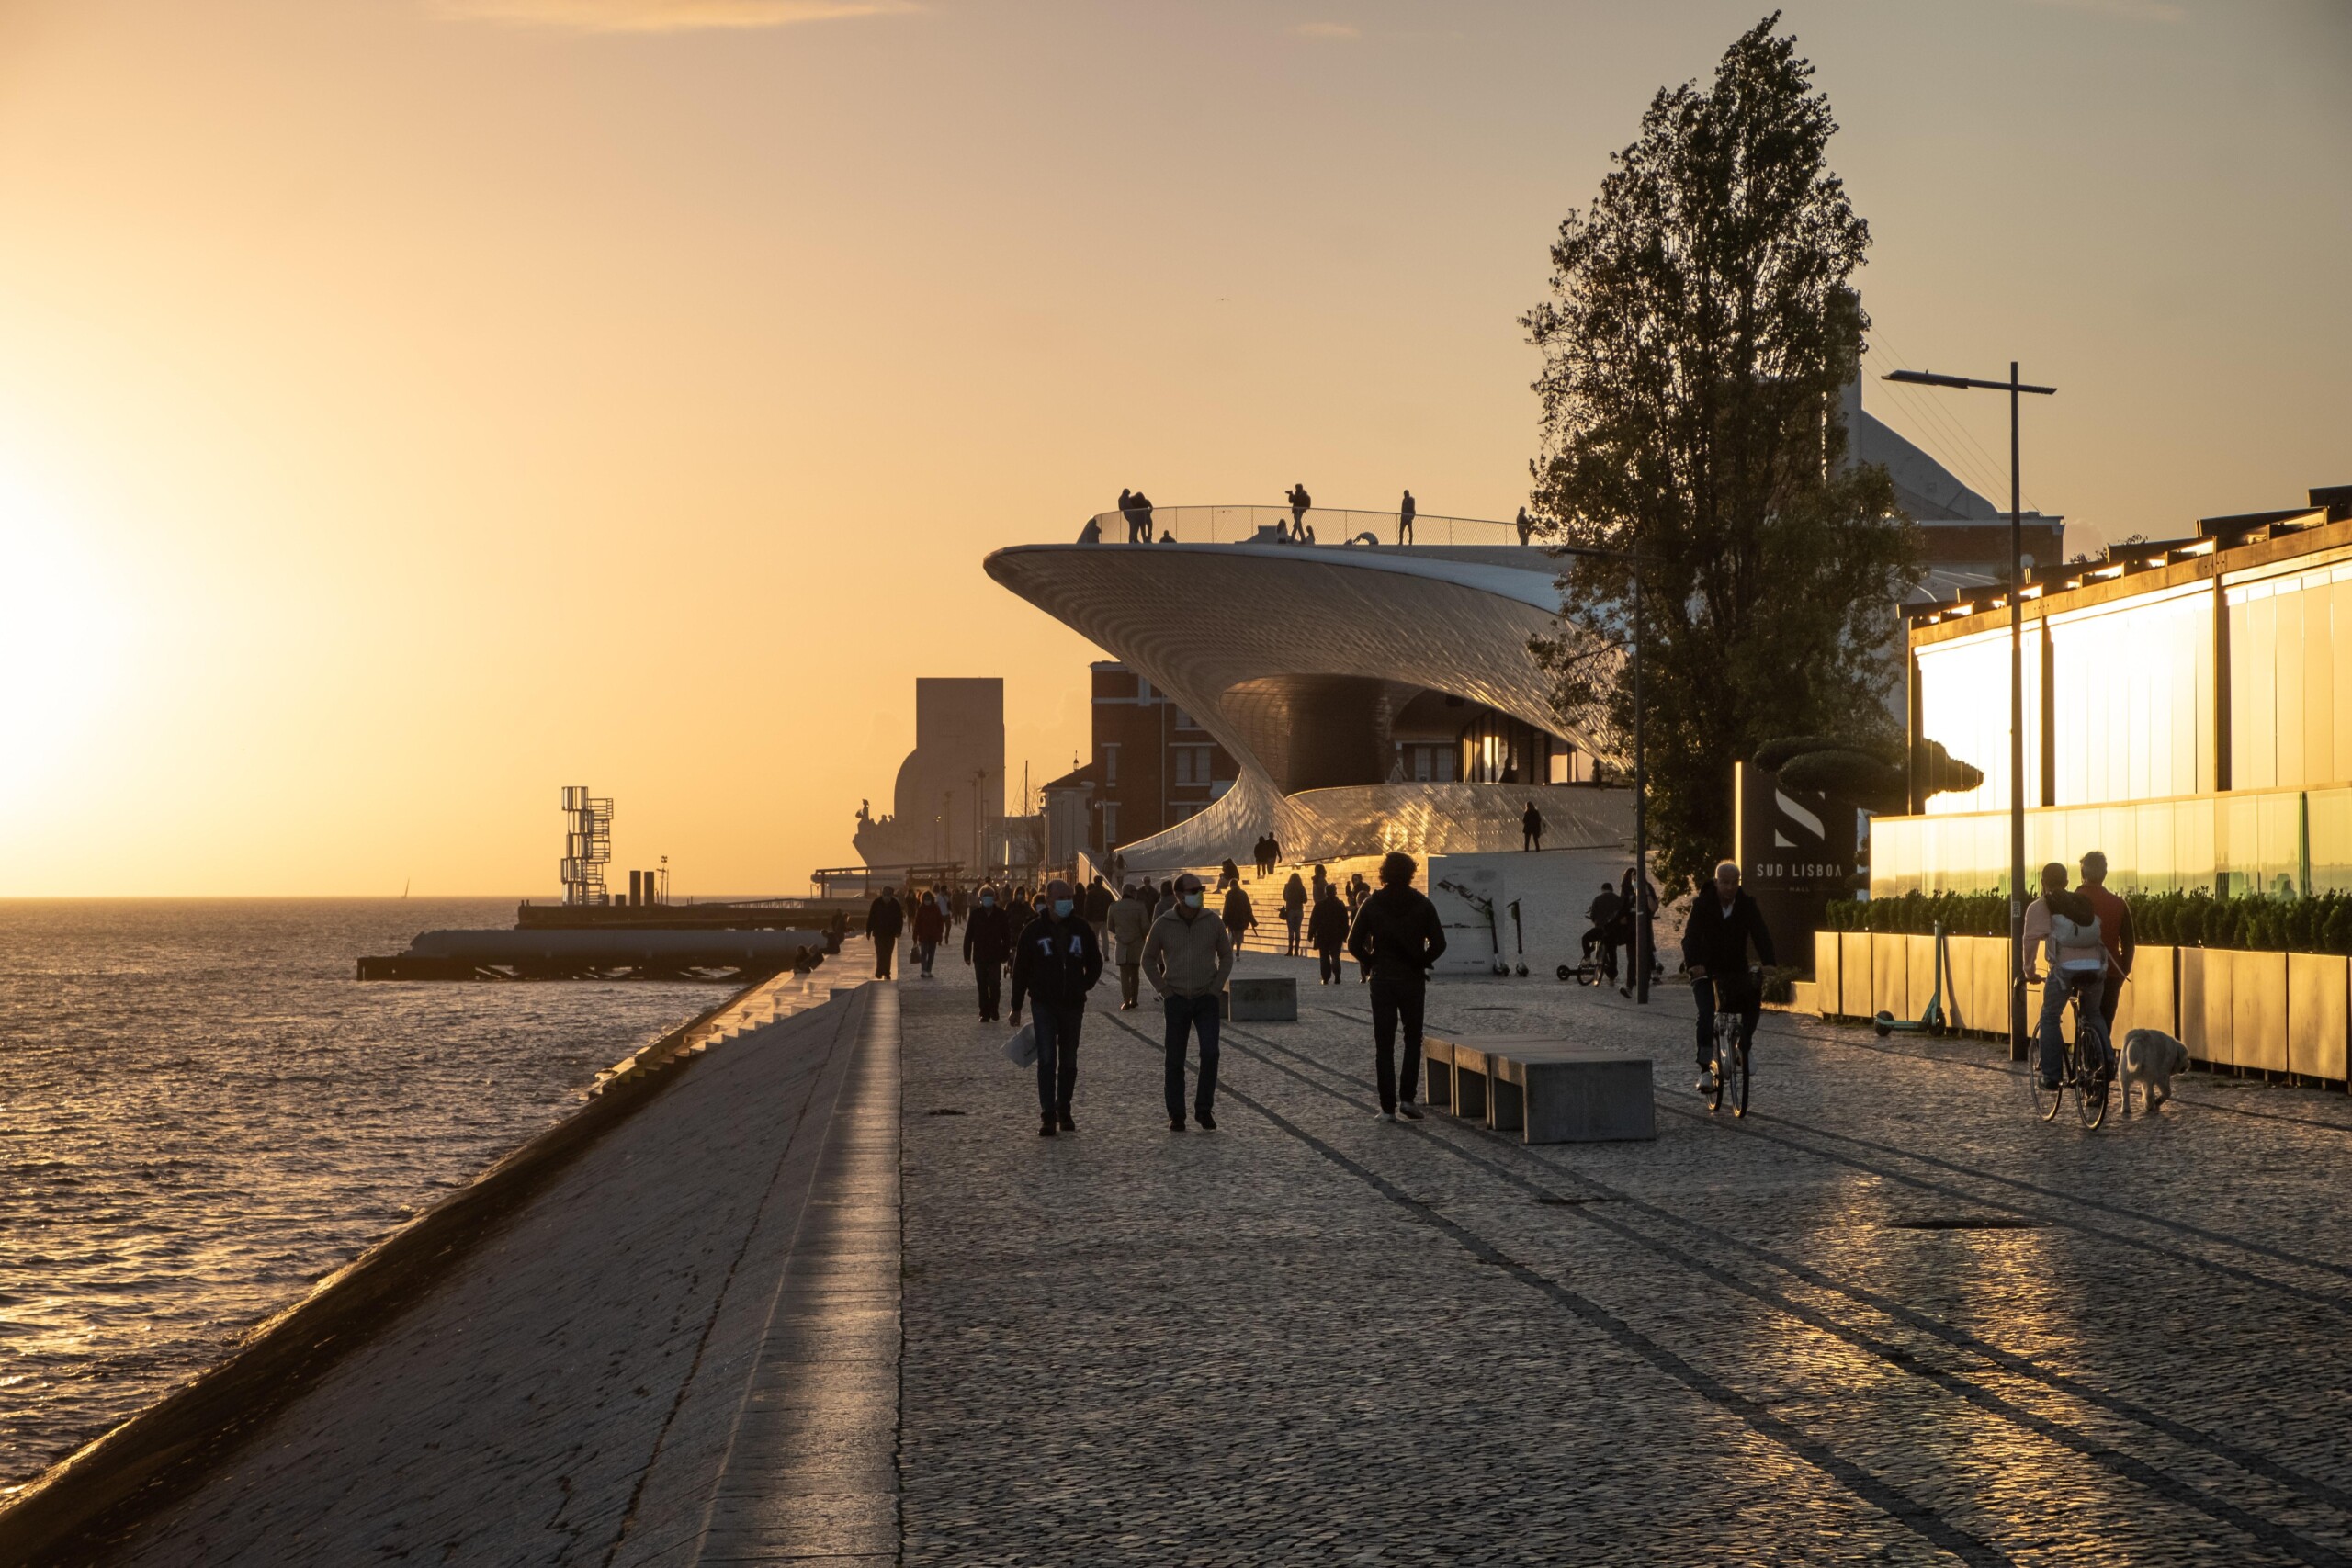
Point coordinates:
[[1187, 957], [988, 943], [1056, 961]]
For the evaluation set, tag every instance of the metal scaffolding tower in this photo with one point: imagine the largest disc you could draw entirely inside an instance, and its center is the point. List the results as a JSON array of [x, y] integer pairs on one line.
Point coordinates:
[[587, 845]]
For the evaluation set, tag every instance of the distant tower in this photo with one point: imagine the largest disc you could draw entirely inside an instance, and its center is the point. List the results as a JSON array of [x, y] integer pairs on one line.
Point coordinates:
[[587, 845]]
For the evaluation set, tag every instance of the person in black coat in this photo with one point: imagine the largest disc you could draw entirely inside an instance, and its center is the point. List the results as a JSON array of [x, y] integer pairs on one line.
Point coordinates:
[[884, 921], [1056, 961], [1724, 921], [1326, 932], [1398, 936], [988, 943]]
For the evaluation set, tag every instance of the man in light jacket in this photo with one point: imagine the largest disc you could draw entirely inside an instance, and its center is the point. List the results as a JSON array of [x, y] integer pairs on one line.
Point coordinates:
[[1130, 923], [1187, 957]]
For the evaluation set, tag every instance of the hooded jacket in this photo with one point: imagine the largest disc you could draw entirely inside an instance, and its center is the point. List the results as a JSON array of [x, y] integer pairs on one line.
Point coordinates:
[[1056, 963], [987, 935], [887, 917], [1398, 936]]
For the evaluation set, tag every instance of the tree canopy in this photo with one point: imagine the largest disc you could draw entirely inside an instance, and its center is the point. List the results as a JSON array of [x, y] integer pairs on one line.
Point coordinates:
[[1701, 328]]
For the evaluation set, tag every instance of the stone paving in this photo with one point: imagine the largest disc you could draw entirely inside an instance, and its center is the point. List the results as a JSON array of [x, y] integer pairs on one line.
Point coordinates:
[[1887, 1318]]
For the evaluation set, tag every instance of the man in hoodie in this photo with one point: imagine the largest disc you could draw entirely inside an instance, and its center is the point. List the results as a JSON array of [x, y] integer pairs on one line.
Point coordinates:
[[1187, 957], [1326, 932], [883, 920], [1398, 937], [988, 943], [1056, 961], [2063, 928], [1130, 924]]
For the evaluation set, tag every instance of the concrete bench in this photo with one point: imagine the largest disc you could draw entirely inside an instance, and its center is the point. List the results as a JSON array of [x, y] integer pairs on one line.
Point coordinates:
[[1261, 998], [1547, 1091]]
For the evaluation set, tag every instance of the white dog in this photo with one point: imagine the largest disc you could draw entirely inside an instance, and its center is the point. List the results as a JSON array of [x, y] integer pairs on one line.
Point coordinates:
[[2152, 1057]]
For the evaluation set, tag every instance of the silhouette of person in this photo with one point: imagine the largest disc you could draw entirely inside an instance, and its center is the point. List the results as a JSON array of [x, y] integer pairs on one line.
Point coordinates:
[[1526, 525], [1143, 515], [1093, 533], [1299, 501], [1405, 520], [1531, 828], [1127, 514]]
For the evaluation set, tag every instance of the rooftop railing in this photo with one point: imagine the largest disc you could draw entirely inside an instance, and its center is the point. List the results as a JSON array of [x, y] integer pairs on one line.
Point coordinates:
[[1321, 525]]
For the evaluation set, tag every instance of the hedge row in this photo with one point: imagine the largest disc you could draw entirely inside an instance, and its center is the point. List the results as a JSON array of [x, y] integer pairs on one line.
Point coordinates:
[[2322, 923]]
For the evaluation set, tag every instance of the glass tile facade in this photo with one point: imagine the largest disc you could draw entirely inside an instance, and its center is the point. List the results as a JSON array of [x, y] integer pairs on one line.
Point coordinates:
[[2290, 718], [2283, 842], [2131, 700], [1964, 702]]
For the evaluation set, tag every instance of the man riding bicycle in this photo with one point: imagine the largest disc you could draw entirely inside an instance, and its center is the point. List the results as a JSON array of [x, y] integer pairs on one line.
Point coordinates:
[[1602, 936], [2063, 927], [1724, 921]]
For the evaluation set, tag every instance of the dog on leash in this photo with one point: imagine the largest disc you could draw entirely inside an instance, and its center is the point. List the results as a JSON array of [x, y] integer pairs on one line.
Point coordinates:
[[2152, 1057]]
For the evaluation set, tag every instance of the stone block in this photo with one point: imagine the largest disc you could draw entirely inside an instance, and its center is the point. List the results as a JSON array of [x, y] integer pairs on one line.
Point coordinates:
[[2316, 1014], [2258, 1010], [1437, 1063], [1261, 998], [1567, 1094]]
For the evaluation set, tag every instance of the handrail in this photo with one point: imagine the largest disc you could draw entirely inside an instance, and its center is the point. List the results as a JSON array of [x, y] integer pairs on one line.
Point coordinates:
[[1246, 523]]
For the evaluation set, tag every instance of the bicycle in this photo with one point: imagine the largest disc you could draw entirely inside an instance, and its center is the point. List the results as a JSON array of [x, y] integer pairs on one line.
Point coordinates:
[[1729, 1068], [2074, 1072]]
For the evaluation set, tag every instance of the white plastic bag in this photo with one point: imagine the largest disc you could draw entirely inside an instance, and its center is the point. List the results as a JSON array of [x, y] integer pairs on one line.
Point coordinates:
[[1022, 1049]]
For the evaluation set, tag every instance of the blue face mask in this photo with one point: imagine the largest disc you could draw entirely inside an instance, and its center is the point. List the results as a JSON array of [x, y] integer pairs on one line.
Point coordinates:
[[988, 900], [1061, 909], [1191, 900]]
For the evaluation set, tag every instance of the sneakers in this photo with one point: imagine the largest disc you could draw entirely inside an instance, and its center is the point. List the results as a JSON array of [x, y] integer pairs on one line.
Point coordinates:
[[1707, 1083], [1067, 1125], [1408, 1110], [1207, 1122], [1045, 1128], [1175, 1123], [1389, 1116]]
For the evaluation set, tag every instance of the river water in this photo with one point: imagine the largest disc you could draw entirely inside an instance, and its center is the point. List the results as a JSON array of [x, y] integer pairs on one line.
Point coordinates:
[[202, 1111]]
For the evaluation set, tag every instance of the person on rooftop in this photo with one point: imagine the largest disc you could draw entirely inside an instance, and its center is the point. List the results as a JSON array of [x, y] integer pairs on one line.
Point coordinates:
[[1405, 519], [1299, 503]]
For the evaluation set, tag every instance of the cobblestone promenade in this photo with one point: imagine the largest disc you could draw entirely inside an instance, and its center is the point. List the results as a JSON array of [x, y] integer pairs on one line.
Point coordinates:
[[1887, 1319]]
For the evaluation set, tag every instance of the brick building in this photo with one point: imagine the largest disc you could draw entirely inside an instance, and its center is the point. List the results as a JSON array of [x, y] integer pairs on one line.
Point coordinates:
[[1152, 767]]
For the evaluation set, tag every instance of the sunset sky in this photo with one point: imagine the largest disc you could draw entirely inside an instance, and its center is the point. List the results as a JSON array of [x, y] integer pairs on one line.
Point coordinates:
[[410, 408]]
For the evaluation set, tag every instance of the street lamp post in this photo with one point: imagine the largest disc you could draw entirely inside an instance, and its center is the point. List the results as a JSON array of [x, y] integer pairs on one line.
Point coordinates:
[[2017, 683]]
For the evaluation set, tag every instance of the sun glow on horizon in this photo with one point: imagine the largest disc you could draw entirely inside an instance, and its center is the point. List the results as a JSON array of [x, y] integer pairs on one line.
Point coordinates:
[[67, 637]]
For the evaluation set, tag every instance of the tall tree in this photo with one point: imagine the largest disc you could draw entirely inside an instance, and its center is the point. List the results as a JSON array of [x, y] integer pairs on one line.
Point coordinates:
[[1700, 330]]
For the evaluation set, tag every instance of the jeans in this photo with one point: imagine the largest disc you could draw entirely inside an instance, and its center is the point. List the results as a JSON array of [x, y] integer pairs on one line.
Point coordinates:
[[882, 946], [1292, 920], [1328, 965], [1056, 1030], [2081, 987], [990, 975], [1394, 1001], [1130, 976], [923, 952], [1199, 1014], [1751, 1008]]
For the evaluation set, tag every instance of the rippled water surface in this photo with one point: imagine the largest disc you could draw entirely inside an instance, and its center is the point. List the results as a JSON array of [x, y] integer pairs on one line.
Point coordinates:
[[201, 1112]]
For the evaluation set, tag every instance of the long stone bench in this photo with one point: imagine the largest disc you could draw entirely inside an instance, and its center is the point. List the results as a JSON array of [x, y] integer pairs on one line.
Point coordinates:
[[1261, 998], [1547, 1091]]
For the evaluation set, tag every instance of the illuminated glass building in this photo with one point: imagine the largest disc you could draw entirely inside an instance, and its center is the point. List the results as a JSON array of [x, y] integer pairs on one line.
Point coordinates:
[[2189, 710]]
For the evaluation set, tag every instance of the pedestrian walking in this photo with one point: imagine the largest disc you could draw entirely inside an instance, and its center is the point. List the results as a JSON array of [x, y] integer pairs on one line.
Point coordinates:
[[959, 904], [988, 943], [1239, 917], [1299, 503], [1099, 899], [1150, 894], [1398, 937], [1273, 855], [1531, 828], [1187, 957], [930, 924], [883, 920], [1526, 526], [2063, 928], [1130, 924], [1294, 910], [1056, 961], [1316, 885], [2115, 932], [1405, 519], [1228, 876], [1142, 504], [1326, 933]]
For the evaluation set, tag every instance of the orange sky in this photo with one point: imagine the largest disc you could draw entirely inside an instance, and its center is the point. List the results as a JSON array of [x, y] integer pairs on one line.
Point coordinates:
[[407, 409]]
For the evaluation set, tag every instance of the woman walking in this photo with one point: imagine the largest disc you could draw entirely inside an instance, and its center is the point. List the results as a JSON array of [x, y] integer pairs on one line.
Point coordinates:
[[1239, 916], [1294, 910]]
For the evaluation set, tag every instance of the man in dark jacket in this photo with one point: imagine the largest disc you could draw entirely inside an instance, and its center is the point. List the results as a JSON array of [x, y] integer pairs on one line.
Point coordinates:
[[1056, 961], [1398, 936], [988, 943], [1724, 921], [883, 923], [1601, 941], [1531, 828], [1326, 932], [1099, 899]]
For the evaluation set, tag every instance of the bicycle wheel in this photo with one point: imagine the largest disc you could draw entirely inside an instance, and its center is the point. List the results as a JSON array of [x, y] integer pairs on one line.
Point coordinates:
[[1720, 1068], [2046, 1101], [1739, 1084]]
